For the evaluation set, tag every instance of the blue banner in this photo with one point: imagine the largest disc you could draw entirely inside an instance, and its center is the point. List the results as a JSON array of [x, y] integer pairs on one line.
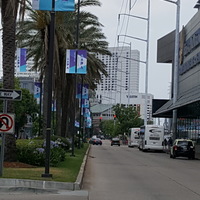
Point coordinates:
[[86, 112], [37, 89], [82, 62], [76, 61], [88, 122], [84, 89], [70, 61], [60, 5], [85, 103], [76, 124], [21, 60], [53, 106]]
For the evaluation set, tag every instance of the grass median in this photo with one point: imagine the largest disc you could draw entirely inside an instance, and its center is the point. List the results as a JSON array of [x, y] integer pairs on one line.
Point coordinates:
[[66, 171]]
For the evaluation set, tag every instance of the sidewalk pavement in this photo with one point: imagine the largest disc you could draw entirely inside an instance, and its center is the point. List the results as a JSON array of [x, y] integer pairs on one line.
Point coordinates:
[[37, 186]]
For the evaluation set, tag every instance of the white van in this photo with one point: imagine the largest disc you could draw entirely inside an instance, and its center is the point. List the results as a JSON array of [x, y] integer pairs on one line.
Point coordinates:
[[133, 139]]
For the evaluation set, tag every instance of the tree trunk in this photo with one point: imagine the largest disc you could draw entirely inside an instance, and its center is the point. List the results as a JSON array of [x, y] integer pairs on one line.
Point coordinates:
[[58, 108], [45, 100], [9, 24]]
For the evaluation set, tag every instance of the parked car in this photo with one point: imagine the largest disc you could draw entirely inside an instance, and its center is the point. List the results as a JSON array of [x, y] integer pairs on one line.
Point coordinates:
[[96, 141], [115, 141], [183, 148]]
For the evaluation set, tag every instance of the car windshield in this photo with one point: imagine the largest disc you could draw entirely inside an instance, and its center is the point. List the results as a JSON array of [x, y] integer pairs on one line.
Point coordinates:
[[184, 143], [115, 139]]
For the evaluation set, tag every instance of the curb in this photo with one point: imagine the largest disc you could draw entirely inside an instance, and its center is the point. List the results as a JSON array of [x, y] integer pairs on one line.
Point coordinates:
[[46, 185], [79, 180]]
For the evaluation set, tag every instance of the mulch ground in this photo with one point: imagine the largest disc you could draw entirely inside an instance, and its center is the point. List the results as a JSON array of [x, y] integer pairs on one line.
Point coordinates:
[[17, 165]]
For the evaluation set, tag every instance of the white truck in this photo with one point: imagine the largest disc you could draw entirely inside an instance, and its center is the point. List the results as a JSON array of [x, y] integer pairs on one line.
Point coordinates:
[[133, 138]]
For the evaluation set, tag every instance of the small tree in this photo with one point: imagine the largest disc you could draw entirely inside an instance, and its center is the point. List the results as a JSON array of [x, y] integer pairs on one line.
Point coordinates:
[[27, 106], [126, 118]]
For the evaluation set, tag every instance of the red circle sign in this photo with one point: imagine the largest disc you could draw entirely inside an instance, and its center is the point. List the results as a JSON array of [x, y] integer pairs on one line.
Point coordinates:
[[7, 121]]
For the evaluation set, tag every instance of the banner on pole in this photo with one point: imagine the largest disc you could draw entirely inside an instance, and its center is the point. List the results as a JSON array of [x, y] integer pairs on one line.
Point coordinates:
[[76, 124], [37, 89], [76, 61], [88, 122], [82, 62], [84, 89], [70, 61], [21, 60], [85, 103], [86, 112], [60, 5]]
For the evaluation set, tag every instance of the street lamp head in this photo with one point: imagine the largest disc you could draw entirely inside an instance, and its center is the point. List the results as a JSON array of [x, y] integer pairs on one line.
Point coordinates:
[[175, 2]]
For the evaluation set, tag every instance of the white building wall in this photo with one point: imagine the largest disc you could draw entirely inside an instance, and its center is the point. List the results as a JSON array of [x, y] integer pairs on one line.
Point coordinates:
[[114, 89], [119, 65]]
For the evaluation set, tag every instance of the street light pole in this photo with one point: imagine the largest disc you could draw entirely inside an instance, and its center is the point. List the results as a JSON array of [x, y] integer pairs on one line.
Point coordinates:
[[175, 67], [129, 82], [49, 103], [147, 64], [147, 54], [75, 78]]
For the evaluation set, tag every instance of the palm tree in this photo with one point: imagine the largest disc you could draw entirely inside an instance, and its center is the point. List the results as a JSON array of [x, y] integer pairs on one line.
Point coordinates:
[[34, 34], [9, 12]]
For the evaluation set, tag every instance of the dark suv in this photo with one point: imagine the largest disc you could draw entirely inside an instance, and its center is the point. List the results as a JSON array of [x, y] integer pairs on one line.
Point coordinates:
[[183, 148], [115, 141]]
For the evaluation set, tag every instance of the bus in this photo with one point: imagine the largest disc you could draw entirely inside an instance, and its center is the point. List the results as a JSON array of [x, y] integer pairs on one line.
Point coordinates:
[[151, 137], [133, 138]]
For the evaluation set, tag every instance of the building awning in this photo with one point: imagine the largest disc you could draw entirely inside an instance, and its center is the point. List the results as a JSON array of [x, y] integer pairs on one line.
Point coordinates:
[[191, 97], [164, 111], [181, 104]]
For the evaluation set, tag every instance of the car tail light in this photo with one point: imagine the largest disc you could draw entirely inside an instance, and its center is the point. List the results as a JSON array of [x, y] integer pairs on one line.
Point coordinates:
[[175, 148]]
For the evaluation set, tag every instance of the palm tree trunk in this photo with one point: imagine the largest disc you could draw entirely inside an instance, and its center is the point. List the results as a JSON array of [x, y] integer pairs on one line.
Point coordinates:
[[58, 109], [45, 100], [9, 24]]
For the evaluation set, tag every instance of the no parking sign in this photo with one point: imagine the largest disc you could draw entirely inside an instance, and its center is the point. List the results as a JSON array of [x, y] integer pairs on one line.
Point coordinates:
[[7, 123]]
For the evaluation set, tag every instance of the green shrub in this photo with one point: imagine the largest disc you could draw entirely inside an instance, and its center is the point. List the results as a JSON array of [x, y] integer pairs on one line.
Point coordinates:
[[56, 156], [27, 151], [62, 142], [33, 152]]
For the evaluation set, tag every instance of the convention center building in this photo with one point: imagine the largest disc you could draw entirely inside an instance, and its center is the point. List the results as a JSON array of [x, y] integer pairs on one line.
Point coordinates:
[[187, 102]]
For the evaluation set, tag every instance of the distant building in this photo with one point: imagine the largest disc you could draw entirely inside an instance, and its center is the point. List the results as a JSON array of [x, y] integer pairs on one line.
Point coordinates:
[[123, 71], [101, 112]]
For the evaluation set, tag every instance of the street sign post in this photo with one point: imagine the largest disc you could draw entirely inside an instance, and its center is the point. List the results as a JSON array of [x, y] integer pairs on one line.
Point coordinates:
[[7, 123], [7, 94], [7, 120]]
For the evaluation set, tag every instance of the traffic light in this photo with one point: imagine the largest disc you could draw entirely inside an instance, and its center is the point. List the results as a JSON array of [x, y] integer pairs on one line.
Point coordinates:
[[100, 118]]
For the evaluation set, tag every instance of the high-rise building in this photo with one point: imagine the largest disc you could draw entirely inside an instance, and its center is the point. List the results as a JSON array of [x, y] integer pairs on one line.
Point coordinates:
[[120, 74], [121, 86]]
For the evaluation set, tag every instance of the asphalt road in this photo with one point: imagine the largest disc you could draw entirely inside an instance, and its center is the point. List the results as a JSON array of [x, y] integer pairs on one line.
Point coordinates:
[[122, 173]]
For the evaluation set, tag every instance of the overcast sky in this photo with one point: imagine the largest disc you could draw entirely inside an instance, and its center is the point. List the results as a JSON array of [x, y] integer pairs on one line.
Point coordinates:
[[162, 21]]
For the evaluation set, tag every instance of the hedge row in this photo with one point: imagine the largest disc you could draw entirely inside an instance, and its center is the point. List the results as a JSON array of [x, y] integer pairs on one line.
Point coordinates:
[[32, 151]]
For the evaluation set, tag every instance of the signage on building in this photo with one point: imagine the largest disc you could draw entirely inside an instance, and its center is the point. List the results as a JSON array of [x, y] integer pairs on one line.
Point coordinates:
[[189, 46]]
